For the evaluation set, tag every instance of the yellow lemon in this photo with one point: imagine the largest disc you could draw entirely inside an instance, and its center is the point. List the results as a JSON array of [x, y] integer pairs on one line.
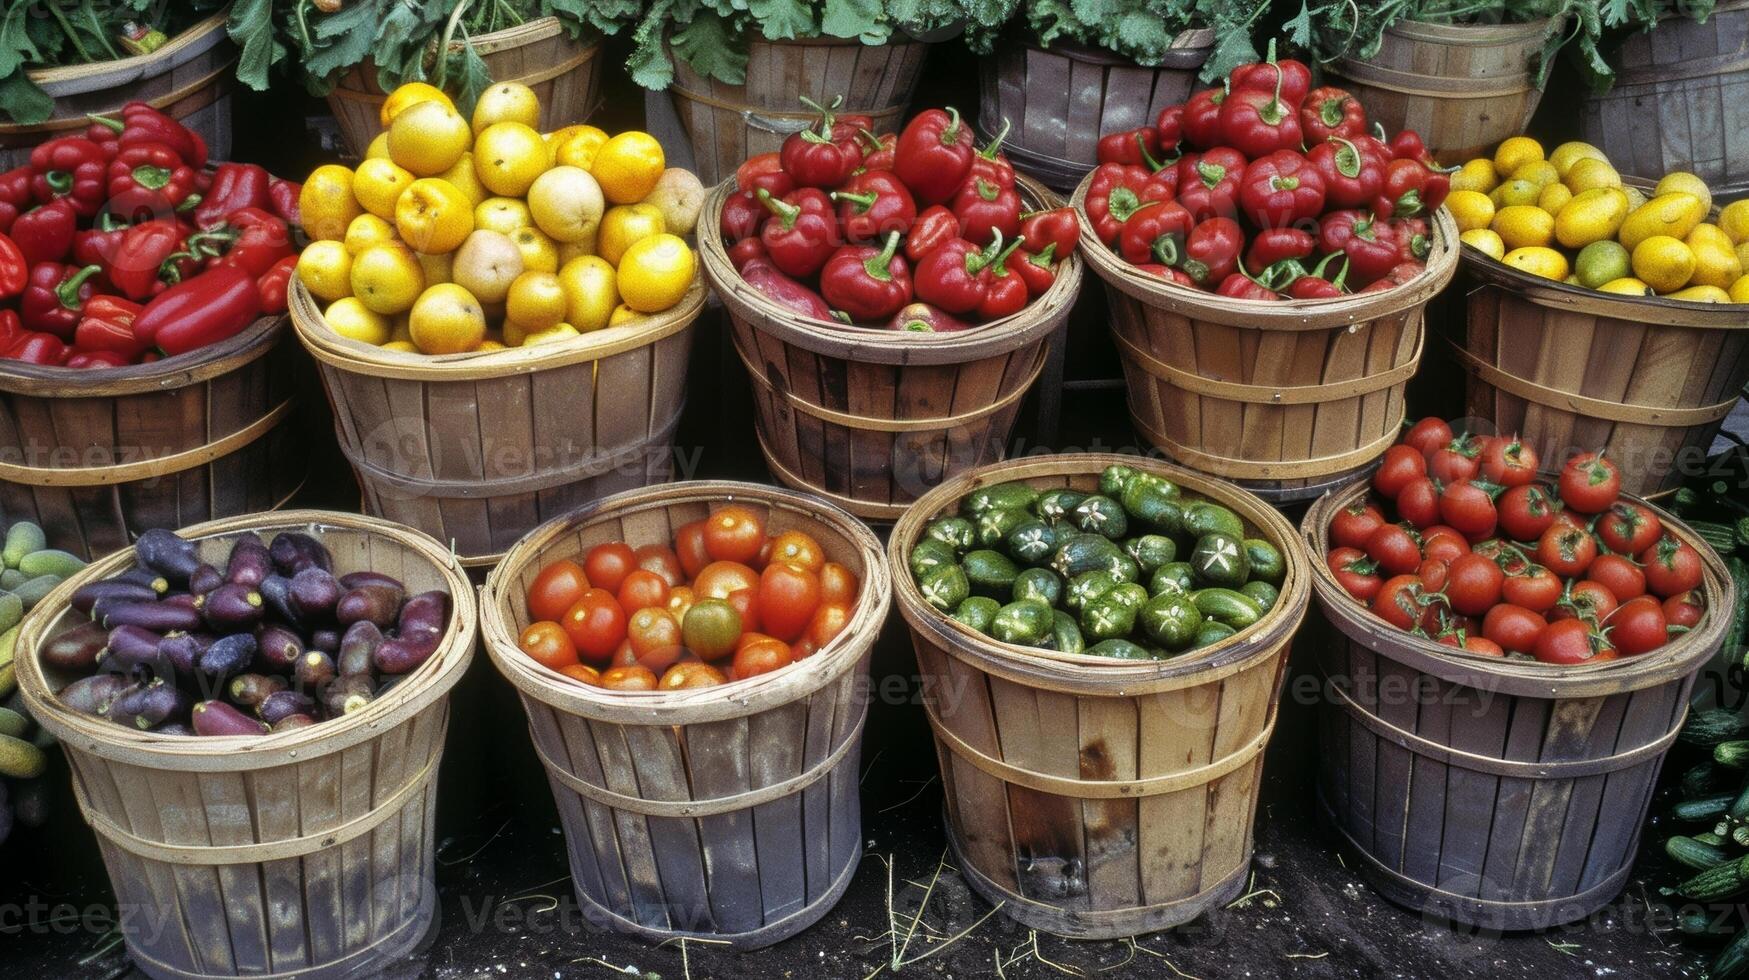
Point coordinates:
[[1701, 294], [1715, 260], [1686, 183], [408, 95], [624, 225], [1554, 197], [432, 216], [1515, 153], [427, 138], [1663, 263], [1486, 241], [578, 146], [628, 166], [591, 292], [656, 272], [1564, 156], [463, 178], [551, 335], [378, 184], [379, 147], [622, 315], [404, 346], [1743, 254], [1739, 290], [367, 230], [386, 278], [1514, 192], [1591, 216], [1734, 219], [506, 102], [539, 254], [1626, 286], [1471, 209], [536, 301], [437, 268], [353, 320], [325, 269], [566, 203], [447, 319], [1673, 215], [1524, 226], [502, 214], [1478, 175], [1589, 173], [1538, 261], [1541, 173], [508, 156], [326, 204]]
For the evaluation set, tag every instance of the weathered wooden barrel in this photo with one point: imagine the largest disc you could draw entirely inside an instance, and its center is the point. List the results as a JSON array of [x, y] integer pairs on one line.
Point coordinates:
[[1502, 794], [305, 853], [1090, 797], [727, 814]]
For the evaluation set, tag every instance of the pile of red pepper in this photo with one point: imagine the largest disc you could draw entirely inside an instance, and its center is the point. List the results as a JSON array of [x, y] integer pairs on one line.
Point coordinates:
[[119, 245], [1268, 189], [922, 231]]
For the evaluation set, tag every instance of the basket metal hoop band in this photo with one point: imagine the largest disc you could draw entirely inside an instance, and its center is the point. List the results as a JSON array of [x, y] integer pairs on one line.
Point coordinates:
[[209, 855], [190, 98], [145, 469], [1508, 768], [1098, 789], [711, 807], [1729, 64], [868, 424], [1268, 394], [1410, 83], [473, 487], [866, 509], [1578, 404], [1228, 466]]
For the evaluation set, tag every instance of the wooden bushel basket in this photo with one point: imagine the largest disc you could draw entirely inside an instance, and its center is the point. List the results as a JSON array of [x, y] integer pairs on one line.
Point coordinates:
[[727, 813], [476, 449], [189, 79], [97, 456], [1570, 370], [565, 73], [1502, 794], [1060, 100], [1097, 798], [1463, 87], [305, 853], [1680, 101], [869, 418], [729, 123], [1284, 397]]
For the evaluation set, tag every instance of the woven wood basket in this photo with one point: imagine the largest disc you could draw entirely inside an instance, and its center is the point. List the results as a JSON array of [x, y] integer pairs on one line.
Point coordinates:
[[1570, 369], [1283, 397], [1095, 798], [565, 73], [97, 456], [729, 123], [727, 813], [871, 419], [476, 449], [1680, 101], [1463, 87], [1502, 794], [306, 853], [190, 79]]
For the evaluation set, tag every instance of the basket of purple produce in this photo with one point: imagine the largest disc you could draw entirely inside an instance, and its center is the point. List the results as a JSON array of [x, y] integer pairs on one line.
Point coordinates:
[[254, 710]]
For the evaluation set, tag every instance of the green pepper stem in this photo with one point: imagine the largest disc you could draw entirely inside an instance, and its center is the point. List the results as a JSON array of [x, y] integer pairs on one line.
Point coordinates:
[[863, 201], [826, 117], [68, 291], [59, 181], [189, 203], [1348, 159], [950, 134], [151, 177], [787, 213], [989, 152], [880, 265], [115, 125]]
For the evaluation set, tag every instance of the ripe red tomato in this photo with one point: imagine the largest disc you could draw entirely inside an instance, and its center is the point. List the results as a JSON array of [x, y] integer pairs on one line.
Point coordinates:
[[1355, 572], [1639, 626], [1629, 528], [1526, 511], [1478, 644], [1513, 627], [1671, 567], [1617, 573], [689, 547], [546, 644], [711, 628], [1469, 509], [680, 599], [799, 549], [582, 672], [688, 675], [1685, 609], [838, 585], [642, 589], [1459, 459], [1395, 549], [1590, 483], [1433, 574], [634, 678], [735, 532], [556, 589], [1418, 502], [662, 560], [1473, 585], [1566, 551], [1532, 587], [654, 638], [761, 657], [1353, 524], [1508, 462], [788, 596], [1585, 599], [829, 621], [1401, 601], [596, 624], [745, 602], [1443, 542], [720, 578], [1569, 642], [607, 565], [1428, 436], [1401, 465]]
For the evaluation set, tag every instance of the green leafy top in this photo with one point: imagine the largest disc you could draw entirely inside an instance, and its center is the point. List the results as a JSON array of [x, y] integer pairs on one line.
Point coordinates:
[[47, 33], [1143, 30]]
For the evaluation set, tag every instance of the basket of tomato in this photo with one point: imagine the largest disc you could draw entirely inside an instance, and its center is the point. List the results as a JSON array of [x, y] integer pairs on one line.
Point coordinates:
[[696, 652], [1268, 264], [891, 299], [1508, 659]]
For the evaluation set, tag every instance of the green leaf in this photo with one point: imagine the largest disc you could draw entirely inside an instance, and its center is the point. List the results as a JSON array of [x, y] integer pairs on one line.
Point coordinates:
[[783, 20], [855, 18], [251, 28], [16, 47], [22, 100], [1232, 49], [1299, 30], [706, 45], [350, 36]]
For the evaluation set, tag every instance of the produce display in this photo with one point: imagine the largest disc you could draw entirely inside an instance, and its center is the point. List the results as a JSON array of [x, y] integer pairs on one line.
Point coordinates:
[[119, 245], [1139, 570], [1707, 862], [919, 232], [31, 570], [1487, 557], [275, 640], [1568, 216], [456, 235], [722, 602], [1267, 189]]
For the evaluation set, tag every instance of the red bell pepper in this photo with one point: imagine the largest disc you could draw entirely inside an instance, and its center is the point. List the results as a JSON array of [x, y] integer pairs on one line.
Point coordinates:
[[206, 309], [784, 291], [54, 296], [275, 283], [1208, 183], [1331, 113], [71, 168], [45, 234], [154, 167], [1056, 228], [801, 233], [1134, 147], [1281, 190], [1275, 245], [104, 136], [140, 123], [746, 250], [108, 325], [1005, 291], [37, 348], [984, 207], [1313, 285], [1414, 238], [1167, 273], [1238, 285], [870, 284], [935, 227], [1170, 126], [14, 268], [1288, 78], [95, 359], [923, 318], [1156, 233], [1258, 123], [96, 245], [990, 164], [1408, 145], [10, 327], [1353, 178], [1211, 251], [872, 204], [235, 186], [141, 262], [934, 154], [1038, 270], [955, 276], [15, 196], [282, 199], [1368, 243], [765, 170], [742, 216], [878, 150], [1118, 191], [257, 240], [816, 159], [1201, 121], [1398, 275]]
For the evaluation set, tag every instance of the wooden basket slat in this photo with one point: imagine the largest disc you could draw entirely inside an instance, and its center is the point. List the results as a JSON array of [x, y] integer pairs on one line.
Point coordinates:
[[1107, 737]]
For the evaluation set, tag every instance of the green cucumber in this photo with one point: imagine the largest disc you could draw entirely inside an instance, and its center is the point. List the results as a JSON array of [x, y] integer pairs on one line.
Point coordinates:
[[12, 723], [1081, 553], [1702, 778], [37, 589], [1108, 618], [1103, 516], [990, 573], [1734, 753], [1267, 565], [1171, 621], [1692, 853], [1117, 649], [11, 609], [1054, 506], [1129, 594], [930, 554], [1704, 809], [20, 759], [1039, 583], [1151, 551], [22, 538], [1204, 517], [1262, 593], [1114, 479], [994, 525], [60, 564], [1088, 586], [977, 612], [11, 579], [1065, 635], [1732, 963], [1032, 541], [955, 532], [1710, 727], [1001, 496], [1219, 559], [1210, 633], [1722, 537], [1025, 621], [1720, 881], [1234, 608], [945, 587], [1152, 504], [1172, 578]]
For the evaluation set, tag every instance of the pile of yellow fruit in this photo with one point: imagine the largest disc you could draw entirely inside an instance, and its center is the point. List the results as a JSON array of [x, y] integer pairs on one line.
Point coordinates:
[[456, 235], [1568, 216]]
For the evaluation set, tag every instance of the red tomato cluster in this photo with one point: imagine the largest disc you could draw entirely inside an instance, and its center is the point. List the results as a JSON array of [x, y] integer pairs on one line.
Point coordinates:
[[1265, 188], [721, 602], [1486, 557], [919, 232]]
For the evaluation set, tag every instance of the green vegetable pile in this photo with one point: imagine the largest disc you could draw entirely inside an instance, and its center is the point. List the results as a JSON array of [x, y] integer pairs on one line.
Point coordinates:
[[1142, 30], [48, 33], [1136, 571]]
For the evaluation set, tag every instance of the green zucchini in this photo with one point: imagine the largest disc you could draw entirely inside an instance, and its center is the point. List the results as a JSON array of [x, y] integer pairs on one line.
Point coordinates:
[[1039, 583], [990, 573], [956, 532], [1692, 853], [1732, 963], [1032, 541], [1720, 881], [1114, 479], [945, 587], [1204, 517], [1710, 727], [977, 612], [1262, 593], [1703, 809]]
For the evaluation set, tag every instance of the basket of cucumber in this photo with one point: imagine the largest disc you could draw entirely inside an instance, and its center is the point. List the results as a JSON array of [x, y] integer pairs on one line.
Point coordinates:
[[1102, 641]]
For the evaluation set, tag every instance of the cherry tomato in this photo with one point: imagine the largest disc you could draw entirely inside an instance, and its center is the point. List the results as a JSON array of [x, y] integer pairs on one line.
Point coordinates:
[[1508, 462], [556, 589], [829, 621], [1428, 436], [838, 585], [1685, 609], [799, 549], [761, 657], [1353, 524], [1457, 460], [1433, 574], [1526, 511], [1478, 644], [596, 624], [1532, 587], [1617, 573], [546, 644], [1418, 503], [1473, 585], [1568, 642], [583, 673], [1355, 572], [734, 532], [689, 546], [1513, 627], [1444, 542], [654, 637], [1671, 567], [1395, 549], [607, 565], [788, 596], [685, 676], [680, 599], [1589, 483], [634, 678], [1566, 551], [1468, 508], [1401, 602], [1639, 626], [1585, 599], [720, 578], [1401, 465], [711, 628], [745, 602], [662, 560], [642, 589]]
